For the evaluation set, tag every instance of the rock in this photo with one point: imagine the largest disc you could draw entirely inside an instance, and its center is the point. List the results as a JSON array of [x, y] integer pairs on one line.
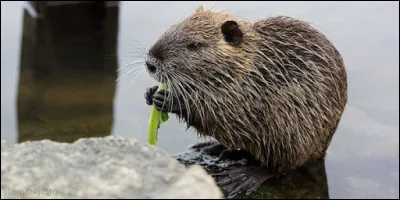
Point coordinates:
[[108, 167], [194, 177]]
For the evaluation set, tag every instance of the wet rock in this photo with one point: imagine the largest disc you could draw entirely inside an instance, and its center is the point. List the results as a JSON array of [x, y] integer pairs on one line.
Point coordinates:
[[109, 167]]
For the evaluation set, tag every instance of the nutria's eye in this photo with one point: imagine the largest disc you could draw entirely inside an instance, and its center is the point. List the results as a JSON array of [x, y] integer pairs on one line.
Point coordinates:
[[194, 46]]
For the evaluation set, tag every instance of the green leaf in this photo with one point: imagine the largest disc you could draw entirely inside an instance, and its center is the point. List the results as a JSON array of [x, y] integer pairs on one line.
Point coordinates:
[[164, 117]]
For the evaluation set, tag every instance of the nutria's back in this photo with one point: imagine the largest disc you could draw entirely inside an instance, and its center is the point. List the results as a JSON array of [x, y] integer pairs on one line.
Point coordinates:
[[309, 93], [276, 87]]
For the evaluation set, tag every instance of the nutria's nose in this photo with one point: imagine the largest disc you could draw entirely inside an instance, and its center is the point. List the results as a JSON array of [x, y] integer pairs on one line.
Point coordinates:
[[151, 67]]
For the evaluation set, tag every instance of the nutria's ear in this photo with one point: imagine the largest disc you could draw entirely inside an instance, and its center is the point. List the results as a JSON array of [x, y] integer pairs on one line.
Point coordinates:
[[232, 33]]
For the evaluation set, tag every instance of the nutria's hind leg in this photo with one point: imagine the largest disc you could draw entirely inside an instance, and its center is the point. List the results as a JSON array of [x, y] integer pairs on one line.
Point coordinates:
[[214, 148], [236, 154], [242, 179]]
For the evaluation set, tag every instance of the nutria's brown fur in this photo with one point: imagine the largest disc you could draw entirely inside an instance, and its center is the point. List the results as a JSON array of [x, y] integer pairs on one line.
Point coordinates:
[[279, 92]]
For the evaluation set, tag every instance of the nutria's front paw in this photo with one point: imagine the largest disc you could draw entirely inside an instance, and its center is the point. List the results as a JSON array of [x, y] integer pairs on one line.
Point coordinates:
[[165, 102], [149, 94], [162, 101]]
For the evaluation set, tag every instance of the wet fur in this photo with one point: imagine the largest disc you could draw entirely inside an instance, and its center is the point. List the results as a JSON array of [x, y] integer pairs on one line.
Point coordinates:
[[279, 94]]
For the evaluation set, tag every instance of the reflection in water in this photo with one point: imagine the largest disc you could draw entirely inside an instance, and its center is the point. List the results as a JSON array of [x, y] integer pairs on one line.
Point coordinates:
[[66, 83], [307, 182]]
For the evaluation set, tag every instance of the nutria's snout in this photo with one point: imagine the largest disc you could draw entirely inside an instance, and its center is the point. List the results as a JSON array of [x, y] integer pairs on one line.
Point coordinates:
[[151, 67]]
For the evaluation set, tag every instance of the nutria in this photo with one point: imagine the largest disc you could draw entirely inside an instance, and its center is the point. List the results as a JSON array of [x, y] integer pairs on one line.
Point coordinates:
[[275, 88]]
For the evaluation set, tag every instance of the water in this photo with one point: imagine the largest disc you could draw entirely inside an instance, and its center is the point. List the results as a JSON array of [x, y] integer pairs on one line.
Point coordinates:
[[58, 80]]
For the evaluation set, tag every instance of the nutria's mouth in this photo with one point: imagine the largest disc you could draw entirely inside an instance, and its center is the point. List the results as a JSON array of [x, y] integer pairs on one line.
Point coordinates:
[[159, 77], [156, 77]]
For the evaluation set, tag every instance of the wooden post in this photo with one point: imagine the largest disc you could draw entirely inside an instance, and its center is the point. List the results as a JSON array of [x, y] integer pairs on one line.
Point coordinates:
[[67, 74]]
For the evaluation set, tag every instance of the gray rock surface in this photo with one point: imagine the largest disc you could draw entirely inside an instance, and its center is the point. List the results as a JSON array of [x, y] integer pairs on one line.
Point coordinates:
[[110, 167]]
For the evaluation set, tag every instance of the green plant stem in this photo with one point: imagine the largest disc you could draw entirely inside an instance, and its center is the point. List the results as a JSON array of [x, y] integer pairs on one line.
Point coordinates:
[[156, 118]]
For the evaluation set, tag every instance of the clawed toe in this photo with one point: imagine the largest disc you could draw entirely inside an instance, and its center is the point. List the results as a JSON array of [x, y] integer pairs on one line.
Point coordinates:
[[230, 179], [230, 172]]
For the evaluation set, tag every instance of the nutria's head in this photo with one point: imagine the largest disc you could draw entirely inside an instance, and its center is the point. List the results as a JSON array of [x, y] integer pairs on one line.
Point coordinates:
[[201, 46]]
